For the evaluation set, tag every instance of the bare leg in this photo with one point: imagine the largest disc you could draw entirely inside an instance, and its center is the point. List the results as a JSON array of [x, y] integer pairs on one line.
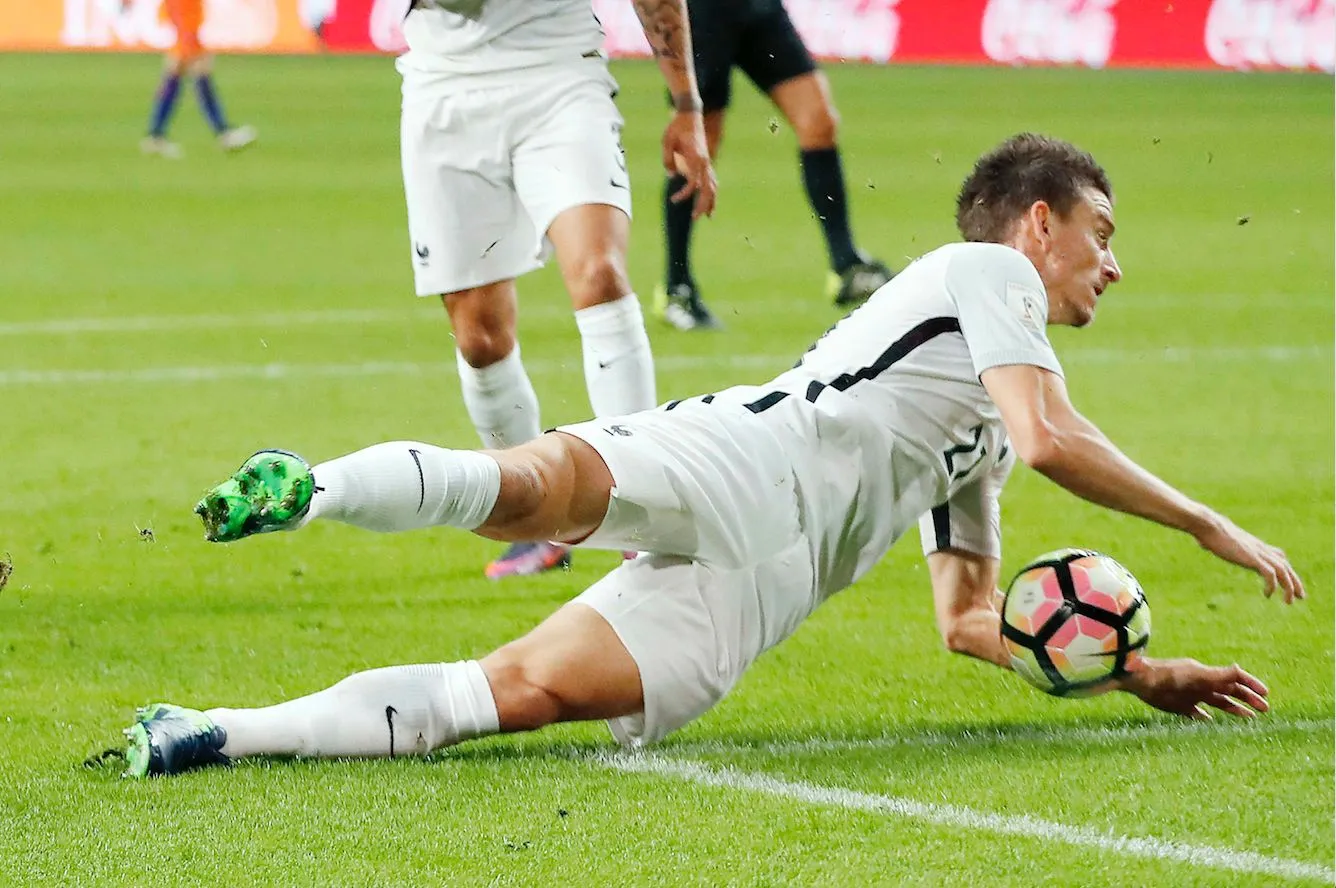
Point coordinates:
[[572, 667], [555, 487], [591, 243], [497, 392], [807, 104]]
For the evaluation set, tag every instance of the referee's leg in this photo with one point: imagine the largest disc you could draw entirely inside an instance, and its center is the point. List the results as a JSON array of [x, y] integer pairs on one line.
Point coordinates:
[[772, 54]]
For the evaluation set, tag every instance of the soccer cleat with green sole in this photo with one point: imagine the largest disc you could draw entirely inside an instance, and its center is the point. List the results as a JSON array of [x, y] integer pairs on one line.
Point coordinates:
[[681, 306], [271, 491], [857, 283], [167, 739]]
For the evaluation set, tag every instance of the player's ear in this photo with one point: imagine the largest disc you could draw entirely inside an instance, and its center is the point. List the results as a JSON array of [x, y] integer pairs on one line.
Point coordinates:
[[1039, 218]]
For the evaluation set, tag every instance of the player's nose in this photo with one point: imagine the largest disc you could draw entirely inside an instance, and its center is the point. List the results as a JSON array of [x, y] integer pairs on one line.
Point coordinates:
[[1113, 272]]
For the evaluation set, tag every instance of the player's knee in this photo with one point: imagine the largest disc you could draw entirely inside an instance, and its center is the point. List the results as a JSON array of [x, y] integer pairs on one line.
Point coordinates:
[[530, 492], [598, 278], [817, 126], [482, 345]]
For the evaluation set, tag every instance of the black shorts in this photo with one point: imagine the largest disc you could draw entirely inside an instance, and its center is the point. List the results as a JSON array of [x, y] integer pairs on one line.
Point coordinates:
[[754, 35]]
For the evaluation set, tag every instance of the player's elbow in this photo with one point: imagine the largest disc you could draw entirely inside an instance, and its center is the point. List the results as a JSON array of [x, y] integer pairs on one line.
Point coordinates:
[[1039, 446], [957, 634], [953, 639]]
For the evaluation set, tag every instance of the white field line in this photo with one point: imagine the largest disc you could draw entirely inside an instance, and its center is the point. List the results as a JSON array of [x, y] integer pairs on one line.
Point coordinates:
[[1086, 736], [172, 323], [769, 362], [969, 818]]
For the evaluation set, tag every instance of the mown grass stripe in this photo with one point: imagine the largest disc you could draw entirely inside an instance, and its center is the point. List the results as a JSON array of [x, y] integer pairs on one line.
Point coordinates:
[[1047, 734]]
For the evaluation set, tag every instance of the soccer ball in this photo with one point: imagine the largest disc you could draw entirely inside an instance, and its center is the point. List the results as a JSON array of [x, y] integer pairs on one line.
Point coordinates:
[[1073, 619]]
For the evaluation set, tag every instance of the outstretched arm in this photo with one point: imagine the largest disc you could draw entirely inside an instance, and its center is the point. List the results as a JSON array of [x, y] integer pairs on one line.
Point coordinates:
[[667, 27], [965, 593], [1055, 440]]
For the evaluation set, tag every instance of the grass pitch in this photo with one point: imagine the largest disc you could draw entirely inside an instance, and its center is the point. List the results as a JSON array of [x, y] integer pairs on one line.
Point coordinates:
[[159, 321]]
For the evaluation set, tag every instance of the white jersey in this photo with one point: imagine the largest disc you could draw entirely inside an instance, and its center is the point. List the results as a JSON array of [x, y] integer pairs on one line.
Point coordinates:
[[908, 432], [494, 36]]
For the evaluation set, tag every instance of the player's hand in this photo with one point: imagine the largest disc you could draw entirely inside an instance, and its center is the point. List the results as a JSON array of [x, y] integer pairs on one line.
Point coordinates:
[[686, 154], [1186, 687], [1225, 539]]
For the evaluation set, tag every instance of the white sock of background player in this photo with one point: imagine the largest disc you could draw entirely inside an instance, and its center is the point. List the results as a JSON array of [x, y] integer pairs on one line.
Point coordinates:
[[404, 485], [618, 363], [398, 710], [500, 400]]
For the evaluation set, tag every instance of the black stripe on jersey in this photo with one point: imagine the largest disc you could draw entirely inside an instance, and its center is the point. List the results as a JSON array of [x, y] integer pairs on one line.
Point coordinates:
[[672, 405], [941, 525], [766, 402], [918, 335], [814, 390]]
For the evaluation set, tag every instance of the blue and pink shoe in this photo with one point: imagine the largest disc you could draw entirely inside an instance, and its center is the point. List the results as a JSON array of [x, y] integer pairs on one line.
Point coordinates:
[[527, 559]]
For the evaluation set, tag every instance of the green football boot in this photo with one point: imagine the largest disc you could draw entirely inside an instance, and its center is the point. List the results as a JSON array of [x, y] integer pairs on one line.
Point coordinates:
[[271, 491], [167, 739]]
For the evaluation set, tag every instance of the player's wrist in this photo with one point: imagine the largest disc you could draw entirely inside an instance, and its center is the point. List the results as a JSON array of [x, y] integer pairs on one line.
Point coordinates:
[[688, 103], [1139, 676], [1200, 521]]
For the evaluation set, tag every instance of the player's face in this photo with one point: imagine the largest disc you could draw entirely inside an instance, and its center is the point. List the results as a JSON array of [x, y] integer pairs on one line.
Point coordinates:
[[1078, 260]]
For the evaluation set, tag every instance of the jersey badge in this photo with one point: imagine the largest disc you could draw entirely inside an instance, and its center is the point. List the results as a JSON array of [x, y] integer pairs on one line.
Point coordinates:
[[1027, 304]]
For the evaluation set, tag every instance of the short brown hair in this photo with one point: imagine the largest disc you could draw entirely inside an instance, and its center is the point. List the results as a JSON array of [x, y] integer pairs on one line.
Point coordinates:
[[1024, 169]]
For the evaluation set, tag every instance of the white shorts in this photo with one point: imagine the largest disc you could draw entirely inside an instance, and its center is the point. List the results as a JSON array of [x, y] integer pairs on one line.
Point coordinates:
[[488, 166], [693, 629], [710, 492]]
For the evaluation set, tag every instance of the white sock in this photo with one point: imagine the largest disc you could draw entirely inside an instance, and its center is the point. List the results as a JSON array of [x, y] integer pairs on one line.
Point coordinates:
[[618, 363], [404, 485], [500, 401], [399, 710]]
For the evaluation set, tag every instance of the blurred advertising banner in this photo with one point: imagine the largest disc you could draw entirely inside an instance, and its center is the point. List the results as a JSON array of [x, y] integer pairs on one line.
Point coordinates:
[[1241, 34], [229, 25], [1096, 33]]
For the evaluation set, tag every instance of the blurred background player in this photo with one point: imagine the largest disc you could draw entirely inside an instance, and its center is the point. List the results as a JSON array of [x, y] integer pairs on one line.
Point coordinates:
[[188, 57], [511, 147], [758, 37]]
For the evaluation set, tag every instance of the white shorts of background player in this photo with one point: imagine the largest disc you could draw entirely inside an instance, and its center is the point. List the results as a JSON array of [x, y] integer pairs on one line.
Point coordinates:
[[490, 160]]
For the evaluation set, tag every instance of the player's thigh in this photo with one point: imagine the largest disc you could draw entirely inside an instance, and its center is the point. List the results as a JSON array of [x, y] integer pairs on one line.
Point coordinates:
[[694, 629], [712, 483], [466, 225], [770, 50], [568, 153]]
